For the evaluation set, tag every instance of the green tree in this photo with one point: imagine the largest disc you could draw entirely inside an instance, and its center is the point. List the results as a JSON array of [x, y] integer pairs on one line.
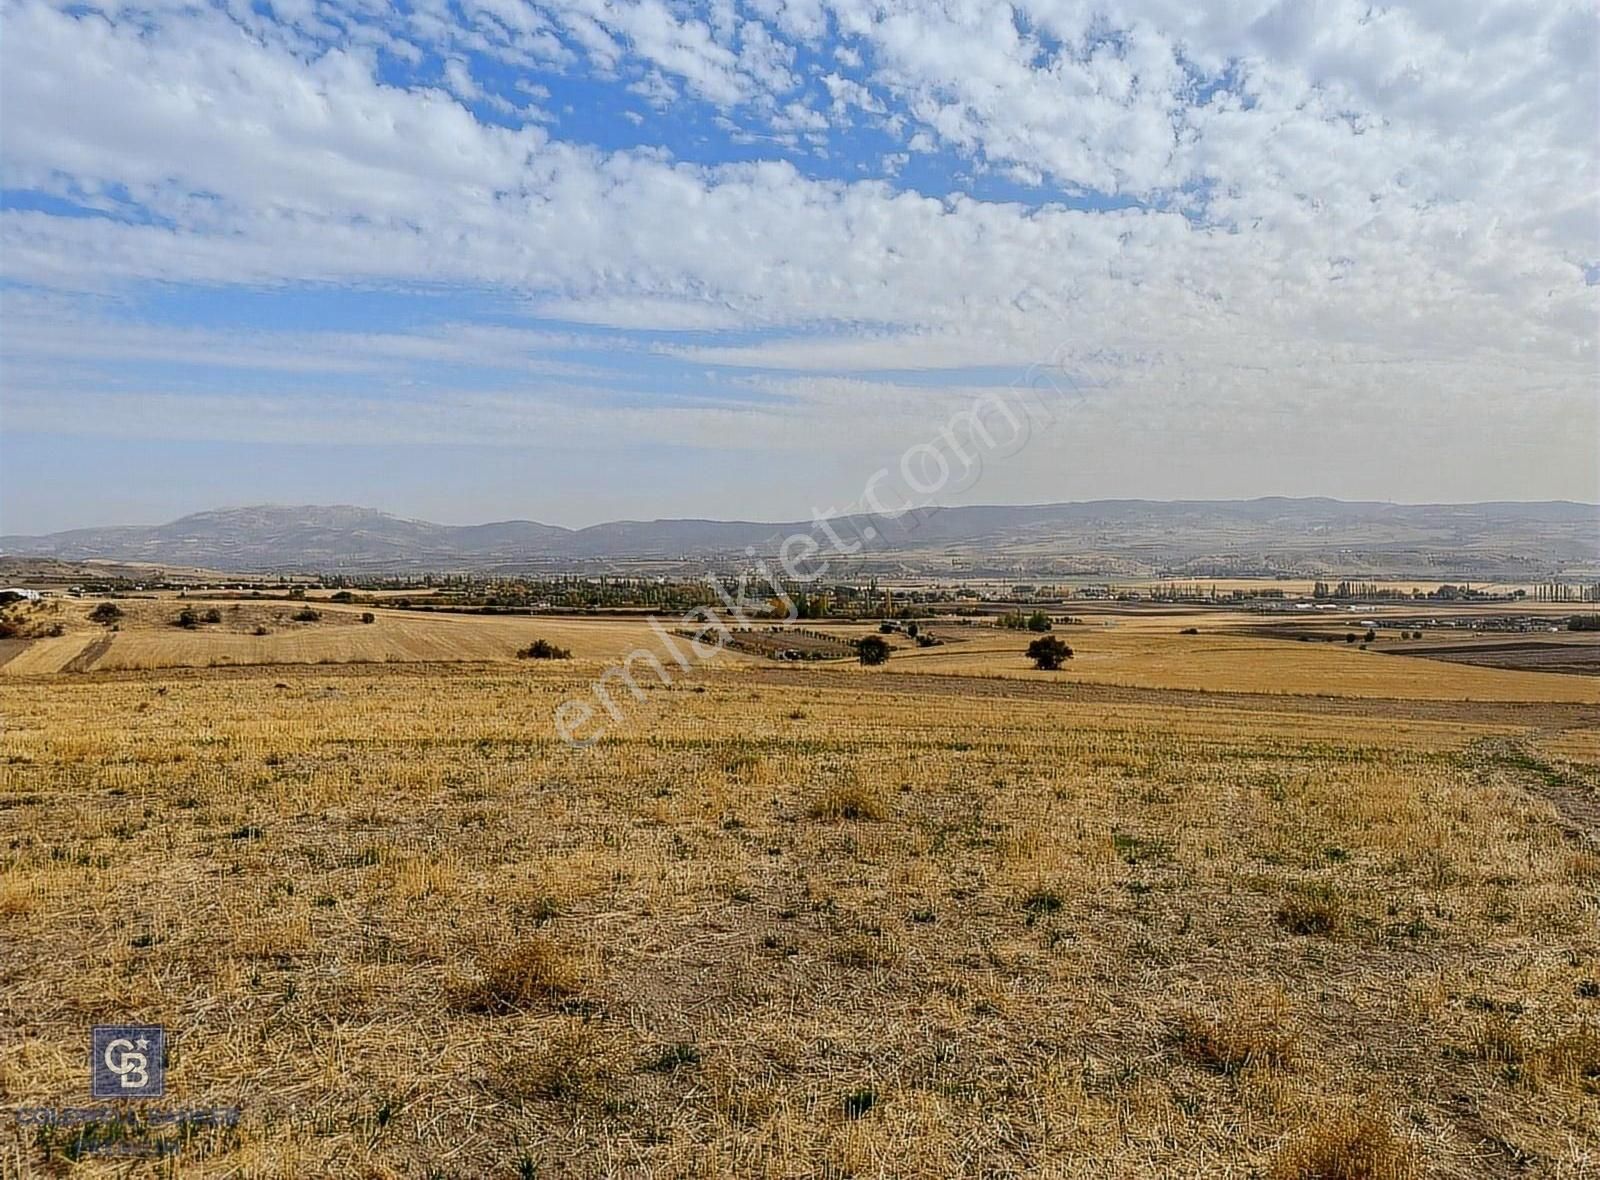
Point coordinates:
[[1048, 653], [543, 649], [872, 651]]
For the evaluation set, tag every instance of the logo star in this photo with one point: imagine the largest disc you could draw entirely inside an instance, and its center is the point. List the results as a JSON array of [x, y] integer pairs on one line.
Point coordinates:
[[143, 1044]]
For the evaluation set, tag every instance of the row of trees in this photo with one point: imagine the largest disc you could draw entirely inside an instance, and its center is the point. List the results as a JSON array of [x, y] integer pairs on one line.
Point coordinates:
[[1016, 621]]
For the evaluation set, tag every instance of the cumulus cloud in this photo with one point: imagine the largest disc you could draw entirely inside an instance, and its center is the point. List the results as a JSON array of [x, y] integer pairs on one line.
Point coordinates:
[[1269, 203]]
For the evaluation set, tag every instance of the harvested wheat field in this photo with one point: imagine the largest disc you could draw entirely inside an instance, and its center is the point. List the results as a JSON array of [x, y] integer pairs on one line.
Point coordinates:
[[245, 633], [787, 922], [1219, 661]]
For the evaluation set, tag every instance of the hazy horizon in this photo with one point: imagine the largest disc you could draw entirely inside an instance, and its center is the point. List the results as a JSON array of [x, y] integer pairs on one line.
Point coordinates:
[[6, 528]]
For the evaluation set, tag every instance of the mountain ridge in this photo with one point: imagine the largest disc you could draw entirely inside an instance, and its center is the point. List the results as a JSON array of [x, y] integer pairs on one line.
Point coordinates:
[[1521, 537]]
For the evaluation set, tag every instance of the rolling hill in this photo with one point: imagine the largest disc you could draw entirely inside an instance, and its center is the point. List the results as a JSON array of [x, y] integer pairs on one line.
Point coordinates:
[[1503, 540]]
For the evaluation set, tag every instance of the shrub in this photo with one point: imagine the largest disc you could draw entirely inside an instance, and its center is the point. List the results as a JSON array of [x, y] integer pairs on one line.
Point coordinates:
[[261, 631], [1048, 653], [342, 596], [106, 613], [1038, 621], [872, 651], [187, 618], [307, 615], [543, 649], [212, 616], [1370, 635]]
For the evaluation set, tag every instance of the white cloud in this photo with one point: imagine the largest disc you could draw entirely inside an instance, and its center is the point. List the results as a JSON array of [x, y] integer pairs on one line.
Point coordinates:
[[1397, 203]]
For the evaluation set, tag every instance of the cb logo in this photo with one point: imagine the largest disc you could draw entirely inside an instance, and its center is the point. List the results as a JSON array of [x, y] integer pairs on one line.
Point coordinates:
[[127, 1061]]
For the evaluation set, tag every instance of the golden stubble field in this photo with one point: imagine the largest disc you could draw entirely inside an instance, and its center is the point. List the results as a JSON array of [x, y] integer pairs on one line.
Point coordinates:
[[792, 922], [1130, 648]]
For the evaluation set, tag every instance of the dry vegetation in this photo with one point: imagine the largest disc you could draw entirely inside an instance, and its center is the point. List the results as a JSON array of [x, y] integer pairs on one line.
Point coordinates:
[[793, 923]]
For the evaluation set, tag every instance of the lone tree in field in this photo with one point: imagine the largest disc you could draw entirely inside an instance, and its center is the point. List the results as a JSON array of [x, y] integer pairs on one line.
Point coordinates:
[[106, 612], [543, 649], [1048, 653], [872, 651]]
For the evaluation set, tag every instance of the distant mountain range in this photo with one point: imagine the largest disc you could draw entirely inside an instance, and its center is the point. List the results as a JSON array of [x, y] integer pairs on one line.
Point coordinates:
[[1116, 537]]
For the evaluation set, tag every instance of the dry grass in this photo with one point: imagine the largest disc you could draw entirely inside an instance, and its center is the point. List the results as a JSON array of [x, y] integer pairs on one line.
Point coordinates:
[[1347, 1145], [1133, 652], [254, 633], [533, 972], [411, 933], [849, 800], [1251, 1032], [1312, 910]]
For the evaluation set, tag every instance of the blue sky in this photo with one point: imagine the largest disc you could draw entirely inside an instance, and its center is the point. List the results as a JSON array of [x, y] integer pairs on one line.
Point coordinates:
[[579, 260]]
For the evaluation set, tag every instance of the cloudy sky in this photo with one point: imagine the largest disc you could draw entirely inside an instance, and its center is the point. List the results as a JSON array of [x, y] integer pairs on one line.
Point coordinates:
[[590, 259]]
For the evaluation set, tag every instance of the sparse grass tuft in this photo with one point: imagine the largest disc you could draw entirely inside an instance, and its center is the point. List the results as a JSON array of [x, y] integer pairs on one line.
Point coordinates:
[[535, 971], [1247, 1034], [674, 1057], [1572, 1061], [1347, 1145], [1041, 903], [859, 1103], [1312, 910], [849, 800], [571, 1068]]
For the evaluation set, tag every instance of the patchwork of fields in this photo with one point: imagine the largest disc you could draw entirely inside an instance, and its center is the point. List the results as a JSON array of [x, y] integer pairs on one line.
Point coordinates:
[[1334, 916]]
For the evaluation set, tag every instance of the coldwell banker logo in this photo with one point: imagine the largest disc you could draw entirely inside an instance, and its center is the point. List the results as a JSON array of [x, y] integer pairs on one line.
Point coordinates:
[[126, 1060]]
